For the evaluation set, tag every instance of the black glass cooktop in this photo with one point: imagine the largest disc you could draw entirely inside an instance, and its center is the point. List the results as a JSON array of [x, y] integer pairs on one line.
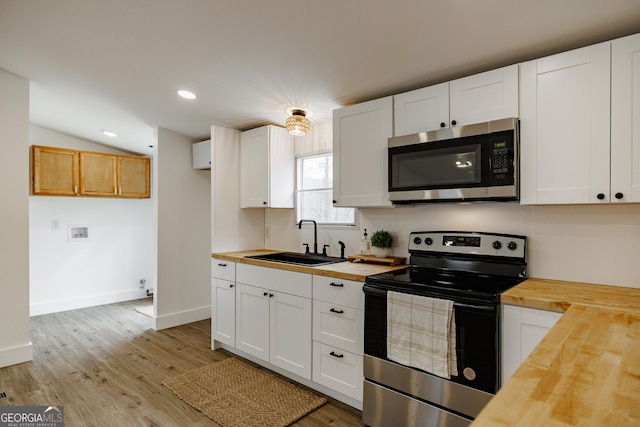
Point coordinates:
[[436, 283]]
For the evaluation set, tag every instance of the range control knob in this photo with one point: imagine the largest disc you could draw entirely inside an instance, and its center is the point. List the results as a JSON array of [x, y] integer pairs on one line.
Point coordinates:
[[512, 246], [417, 240], [496, 244], [428, 241]]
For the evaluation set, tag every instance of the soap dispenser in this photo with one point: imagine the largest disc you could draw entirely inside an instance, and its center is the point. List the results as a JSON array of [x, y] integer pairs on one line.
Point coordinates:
[[365, 244]]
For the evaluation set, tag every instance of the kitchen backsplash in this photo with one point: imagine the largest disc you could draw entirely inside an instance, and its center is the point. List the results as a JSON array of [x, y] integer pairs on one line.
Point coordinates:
[[592, 244]]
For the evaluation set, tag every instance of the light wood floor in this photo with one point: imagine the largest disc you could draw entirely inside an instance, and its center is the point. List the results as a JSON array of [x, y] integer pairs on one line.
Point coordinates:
[[105, 365]]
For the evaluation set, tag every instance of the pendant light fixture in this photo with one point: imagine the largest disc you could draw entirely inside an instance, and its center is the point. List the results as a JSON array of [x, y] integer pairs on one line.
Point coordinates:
[[297, 123]]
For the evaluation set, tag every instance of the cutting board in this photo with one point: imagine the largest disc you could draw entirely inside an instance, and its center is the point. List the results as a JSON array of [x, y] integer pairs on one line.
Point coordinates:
[[390, 260]]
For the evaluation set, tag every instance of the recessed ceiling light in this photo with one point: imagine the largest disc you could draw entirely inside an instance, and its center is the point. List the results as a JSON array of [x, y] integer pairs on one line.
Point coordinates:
[[186, 94], [109, 133]]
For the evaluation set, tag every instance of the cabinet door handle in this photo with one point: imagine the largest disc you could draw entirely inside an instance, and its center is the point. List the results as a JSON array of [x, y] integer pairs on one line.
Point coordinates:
[[265, 294], [442, 124], [600, 196], [75, 189], [230, 286], [222, 265], [334, 354], [270, 295], [453, 122], [337, 285], [333, 310], [619, 196]]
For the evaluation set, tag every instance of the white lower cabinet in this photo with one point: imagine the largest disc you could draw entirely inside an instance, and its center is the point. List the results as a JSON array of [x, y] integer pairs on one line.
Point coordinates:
[[273, 321], [522, 330], [223, 315], [223, 307], [338, 369], [338, 327]]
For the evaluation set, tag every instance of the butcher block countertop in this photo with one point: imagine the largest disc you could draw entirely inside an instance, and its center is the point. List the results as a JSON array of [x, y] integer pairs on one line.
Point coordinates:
[[346, 270], [586, 371]]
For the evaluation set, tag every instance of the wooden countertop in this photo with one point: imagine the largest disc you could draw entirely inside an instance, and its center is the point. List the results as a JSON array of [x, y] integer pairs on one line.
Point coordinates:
[[357, 271], [557, 295], [586, 371]]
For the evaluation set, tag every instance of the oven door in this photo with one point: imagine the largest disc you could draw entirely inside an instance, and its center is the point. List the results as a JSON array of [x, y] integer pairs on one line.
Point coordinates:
[[472, 167], [477, 337]]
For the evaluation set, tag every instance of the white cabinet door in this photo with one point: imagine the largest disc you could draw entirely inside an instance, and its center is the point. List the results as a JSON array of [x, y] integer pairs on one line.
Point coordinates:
[[290, 333], [267, 168], [252, 320], [625, 119], [565, 127], [360, 134], [522, 330], [201, 154], [254, 168], [223, 316], [483, 97], [421, 110]]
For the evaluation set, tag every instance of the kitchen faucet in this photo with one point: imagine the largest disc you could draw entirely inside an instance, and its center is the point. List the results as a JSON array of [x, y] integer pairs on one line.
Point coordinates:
[[315, 233]]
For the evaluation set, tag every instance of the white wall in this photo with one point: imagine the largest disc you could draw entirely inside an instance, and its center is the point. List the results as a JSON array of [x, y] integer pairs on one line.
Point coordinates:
[[233, 228], [183, 223], [15, 344], [103, 269]]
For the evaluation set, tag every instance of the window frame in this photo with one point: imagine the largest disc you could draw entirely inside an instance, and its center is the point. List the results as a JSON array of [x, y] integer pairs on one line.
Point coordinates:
[[298, 191]]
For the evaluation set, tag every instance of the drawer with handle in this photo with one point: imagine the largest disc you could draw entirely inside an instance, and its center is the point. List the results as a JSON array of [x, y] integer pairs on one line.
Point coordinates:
[[338, 325], [344, 292], [223, 269], [338, 369]]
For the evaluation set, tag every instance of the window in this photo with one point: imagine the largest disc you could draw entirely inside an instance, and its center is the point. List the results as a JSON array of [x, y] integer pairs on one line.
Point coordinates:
[[314, 194]]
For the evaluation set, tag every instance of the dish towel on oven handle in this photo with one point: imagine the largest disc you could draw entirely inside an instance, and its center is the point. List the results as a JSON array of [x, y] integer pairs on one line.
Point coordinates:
[[421, 332]]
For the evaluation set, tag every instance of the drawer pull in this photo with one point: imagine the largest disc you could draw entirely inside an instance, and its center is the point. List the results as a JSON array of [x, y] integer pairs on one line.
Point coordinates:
[[222, 265], [337, 285], [333, 310], [334, 354]]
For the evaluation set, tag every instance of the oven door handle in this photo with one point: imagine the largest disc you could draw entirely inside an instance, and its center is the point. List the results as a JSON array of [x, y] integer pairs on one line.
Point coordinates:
[[374, 290], [489, 308]]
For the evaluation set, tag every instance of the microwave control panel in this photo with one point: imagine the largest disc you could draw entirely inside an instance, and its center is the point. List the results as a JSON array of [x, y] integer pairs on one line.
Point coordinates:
[[502, 155]]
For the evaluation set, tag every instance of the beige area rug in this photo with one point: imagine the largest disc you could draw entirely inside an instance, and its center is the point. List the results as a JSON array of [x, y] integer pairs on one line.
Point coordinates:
[[234, 393], [147, 310]]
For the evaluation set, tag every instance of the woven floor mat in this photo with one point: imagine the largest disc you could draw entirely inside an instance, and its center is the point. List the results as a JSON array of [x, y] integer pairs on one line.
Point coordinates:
[[234, 393]]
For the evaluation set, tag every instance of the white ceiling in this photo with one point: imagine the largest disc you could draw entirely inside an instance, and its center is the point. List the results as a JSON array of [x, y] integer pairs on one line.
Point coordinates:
[[116, 64]]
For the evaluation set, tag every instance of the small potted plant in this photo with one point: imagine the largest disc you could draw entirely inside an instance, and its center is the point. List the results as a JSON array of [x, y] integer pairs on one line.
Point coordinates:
[[382, 240]]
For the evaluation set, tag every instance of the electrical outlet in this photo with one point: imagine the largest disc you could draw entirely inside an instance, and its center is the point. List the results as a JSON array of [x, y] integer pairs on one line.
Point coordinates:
[[142, 282]]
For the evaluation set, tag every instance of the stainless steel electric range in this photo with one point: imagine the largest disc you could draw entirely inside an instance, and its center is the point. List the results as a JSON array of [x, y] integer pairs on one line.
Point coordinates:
[[471, 269]]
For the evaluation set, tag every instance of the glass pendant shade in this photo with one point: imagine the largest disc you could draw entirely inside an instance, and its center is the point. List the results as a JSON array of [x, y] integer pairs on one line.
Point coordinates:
[[297, 124]]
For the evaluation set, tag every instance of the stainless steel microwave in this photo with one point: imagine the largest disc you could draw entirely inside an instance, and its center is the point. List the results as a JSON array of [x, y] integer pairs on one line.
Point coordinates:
[[478, 162]]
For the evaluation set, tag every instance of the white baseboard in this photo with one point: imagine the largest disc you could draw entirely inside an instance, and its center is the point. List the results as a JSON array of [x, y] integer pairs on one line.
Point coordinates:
[[85, 301], [181, 318], [15, 355]]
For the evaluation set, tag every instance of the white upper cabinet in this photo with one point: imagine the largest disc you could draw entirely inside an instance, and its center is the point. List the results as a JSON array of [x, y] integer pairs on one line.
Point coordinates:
[[201, 154], [565, 127], [478, 98], [421, 110], [360, 134], [483, 97], [267, 168], [625, 119]]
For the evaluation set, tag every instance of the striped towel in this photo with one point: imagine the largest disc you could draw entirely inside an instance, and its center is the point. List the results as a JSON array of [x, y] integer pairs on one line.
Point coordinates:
[[421, 332]]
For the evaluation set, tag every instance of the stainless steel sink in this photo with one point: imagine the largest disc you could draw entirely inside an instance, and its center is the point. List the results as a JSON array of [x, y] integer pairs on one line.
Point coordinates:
[[298, 258]]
